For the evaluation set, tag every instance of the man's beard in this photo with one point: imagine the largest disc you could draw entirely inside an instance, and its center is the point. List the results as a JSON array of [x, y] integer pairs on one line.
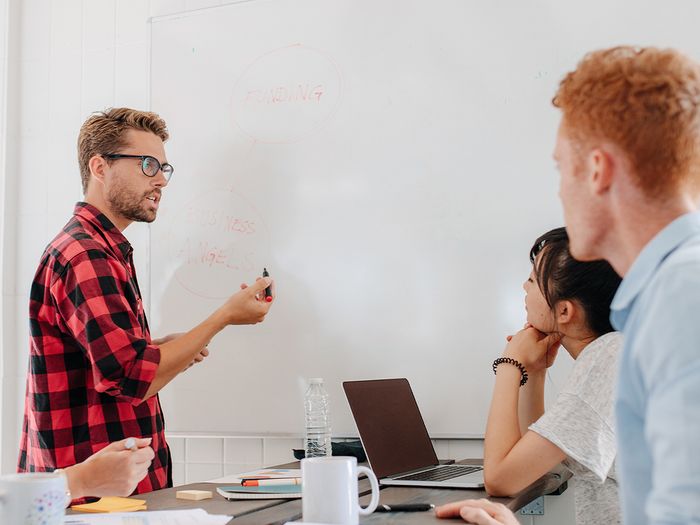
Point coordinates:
[[129, 205]]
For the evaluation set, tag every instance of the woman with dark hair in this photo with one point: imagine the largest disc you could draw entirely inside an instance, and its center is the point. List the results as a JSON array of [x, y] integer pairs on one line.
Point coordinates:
[[568, 305]]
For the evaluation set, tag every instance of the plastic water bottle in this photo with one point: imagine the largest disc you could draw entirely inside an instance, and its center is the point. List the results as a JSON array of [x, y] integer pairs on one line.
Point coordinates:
[[317, 440]]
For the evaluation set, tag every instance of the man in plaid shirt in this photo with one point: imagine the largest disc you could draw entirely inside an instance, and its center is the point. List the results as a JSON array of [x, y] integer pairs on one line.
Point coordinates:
[[94, 371]]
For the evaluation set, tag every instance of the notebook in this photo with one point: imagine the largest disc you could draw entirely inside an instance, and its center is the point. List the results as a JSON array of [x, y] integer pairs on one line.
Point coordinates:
[[269, 492], [396, 441]]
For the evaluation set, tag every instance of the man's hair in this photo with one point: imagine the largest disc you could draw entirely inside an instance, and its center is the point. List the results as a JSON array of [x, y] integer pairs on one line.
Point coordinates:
[[646, 101], [105, 132], [592, 285]]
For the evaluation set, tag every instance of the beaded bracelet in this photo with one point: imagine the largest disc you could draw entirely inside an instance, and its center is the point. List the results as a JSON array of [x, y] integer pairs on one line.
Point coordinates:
[[511, 361]]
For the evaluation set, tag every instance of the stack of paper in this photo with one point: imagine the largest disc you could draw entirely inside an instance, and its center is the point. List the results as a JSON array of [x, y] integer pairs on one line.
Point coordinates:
[[283, 483], [292, 475], [161, 517], [112, 504]]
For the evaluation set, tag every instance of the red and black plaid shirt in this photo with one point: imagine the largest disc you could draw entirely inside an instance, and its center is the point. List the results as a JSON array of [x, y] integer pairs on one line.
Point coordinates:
[[91, 358]]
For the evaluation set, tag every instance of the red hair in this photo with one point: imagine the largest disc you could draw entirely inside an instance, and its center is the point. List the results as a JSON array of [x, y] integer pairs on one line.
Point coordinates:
[[647, 102]]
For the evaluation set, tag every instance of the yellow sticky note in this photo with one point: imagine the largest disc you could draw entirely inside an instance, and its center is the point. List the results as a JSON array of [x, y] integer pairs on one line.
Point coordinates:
[[112, 504], [194, 495]]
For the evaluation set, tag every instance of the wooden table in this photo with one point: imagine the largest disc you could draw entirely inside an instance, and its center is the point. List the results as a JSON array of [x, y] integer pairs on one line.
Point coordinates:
[[261, 512]]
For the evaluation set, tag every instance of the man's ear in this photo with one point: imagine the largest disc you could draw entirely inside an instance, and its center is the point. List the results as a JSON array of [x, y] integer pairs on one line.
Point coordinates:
[[601, 168], [565, 312], [98, 165]]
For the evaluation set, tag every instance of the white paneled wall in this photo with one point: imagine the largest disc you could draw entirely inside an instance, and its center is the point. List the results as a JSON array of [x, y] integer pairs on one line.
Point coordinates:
[[65, 59], [8, 141], [198, 457]]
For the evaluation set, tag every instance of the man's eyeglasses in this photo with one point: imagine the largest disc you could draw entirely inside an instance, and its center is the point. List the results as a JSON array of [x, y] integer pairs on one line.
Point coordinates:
[[149, 165]]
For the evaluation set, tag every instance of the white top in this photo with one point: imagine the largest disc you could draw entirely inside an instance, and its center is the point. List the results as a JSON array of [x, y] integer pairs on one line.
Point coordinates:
[[581, 424]]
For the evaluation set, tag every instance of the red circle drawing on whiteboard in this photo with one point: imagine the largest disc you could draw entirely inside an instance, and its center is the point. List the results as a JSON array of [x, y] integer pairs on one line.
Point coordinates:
[[286, 94], [218, 242]]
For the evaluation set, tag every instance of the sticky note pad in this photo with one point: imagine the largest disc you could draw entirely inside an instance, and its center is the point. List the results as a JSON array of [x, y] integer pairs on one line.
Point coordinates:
[[194, 495], [112, 504]]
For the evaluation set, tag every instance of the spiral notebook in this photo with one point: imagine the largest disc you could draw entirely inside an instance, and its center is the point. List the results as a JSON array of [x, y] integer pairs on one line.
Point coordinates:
[[265, 492]]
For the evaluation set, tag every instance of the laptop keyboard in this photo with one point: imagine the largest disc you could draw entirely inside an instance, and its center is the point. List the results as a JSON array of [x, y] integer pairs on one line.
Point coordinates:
[[441, 473]]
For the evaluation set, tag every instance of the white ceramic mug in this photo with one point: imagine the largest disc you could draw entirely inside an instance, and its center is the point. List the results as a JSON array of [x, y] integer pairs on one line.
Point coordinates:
[[329, 490], [33, 498]]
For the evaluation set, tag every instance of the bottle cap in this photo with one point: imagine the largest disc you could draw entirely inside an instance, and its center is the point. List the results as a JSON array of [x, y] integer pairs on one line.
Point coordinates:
[[316, 381]]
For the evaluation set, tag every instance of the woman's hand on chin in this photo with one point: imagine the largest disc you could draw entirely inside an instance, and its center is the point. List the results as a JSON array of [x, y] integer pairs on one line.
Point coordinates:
[[535, 350]]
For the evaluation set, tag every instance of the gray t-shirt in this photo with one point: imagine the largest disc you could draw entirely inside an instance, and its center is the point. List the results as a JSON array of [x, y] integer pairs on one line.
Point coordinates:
[[581, 424]]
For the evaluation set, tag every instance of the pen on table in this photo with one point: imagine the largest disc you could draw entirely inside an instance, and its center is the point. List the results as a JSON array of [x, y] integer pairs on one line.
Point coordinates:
[[268, 482], [268, 290], [287, 520], [409, 507], [130, 444]]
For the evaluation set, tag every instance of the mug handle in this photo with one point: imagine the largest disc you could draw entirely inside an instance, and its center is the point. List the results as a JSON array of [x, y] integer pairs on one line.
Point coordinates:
[[369, 509]]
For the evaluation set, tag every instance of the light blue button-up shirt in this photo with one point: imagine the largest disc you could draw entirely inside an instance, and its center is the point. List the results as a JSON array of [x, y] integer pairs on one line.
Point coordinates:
[[657, 307]]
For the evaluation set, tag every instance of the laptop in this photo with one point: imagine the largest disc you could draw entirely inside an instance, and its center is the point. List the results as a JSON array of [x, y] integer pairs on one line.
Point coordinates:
[[396, 441]]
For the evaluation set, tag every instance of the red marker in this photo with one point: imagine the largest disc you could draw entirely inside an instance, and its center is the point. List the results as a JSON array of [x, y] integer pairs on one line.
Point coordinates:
[[268, 290], [270, 481]]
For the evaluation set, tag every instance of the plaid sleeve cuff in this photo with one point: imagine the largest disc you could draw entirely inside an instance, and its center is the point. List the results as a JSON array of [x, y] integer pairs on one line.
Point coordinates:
[[139, 375]]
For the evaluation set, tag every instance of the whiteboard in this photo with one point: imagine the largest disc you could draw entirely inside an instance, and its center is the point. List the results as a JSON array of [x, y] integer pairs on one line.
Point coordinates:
[[390, 164]]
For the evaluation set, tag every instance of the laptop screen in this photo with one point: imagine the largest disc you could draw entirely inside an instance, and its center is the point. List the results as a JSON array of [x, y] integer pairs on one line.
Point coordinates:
[[390, 424]]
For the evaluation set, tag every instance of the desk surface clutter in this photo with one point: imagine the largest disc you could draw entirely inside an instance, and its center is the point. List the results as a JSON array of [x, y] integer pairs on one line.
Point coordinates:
[[276, 511]]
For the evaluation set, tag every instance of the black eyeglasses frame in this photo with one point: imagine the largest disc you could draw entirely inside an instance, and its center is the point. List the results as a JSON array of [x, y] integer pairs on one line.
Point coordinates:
[[166, 168]]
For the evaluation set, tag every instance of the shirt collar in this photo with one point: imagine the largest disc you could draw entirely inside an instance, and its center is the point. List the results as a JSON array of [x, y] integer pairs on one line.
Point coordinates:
[[646, 263], [111, 234]]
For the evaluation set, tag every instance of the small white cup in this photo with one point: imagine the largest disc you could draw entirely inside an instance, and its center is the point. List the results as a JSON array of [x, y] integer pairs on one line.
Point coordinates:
[[33, 498], [329, 490]]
